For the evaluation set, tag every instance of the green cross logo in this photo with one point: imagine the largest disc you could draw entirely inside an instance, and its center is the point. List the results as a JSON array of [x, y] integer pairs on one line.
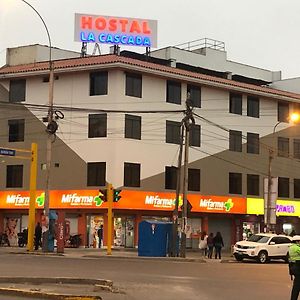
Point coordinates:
[[180, 201], [40, 200], [228, 205], [98, 199]]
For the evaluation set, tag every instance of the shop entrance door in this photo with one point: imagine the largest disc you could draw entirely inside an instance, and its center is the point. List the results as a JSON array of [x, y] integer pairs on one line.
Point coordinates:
[[124, 232], [93, 224]]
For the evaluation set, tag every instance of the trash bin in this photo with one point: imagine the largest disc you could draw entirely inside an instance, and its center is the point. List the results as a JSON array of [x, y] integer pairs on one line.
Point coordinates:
[[154, 238]]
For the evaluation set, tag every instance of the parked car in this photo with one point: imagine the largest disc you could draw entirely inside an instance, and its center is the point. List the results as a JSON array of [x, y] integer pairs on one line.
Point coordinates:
[[263, 247]]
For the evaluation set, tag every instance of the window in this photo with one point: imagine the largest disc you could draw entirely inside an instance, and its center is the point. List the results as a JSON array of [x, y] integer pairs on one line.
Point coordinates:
[[252, 143], [133, 85], [170, 178], [235, 140], [296, 188], [173, 132], [235, 183], [253, 184], [235, 103], [173, 92], [14, 176], [253, 106], [133, 127], [16, 130], [283, 187], [194, 180], [283, 112], [98, 83], [17, 90], [283, 147], [96, 173], [132, 174], [47, 78], [195, 135], [194, 93], [97, 125], [297, 148]]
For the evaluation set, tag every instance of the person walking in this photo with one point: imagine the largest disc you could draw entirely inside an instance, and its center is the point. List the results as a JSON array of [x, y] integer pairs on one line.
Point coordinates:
[[294, 266], [100, 235], [210, 245], [37, 236], [203, 243], [218, 244]]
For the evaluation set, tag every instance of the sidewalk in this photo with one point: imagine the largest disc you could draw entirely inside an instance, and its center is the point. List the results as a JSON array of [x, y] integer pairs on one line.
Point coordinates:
[[191, 255]]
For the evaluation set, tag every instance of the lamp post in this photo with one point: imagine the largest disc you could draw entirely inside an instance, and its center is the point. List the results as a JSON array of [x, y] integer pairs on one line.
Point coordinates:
[[295, 117], [49, 131]]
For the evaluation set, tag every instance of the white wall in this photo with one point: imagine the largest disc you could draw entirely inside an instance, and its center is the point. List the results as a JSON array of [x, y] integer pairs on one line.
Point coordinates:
[[151, 151]]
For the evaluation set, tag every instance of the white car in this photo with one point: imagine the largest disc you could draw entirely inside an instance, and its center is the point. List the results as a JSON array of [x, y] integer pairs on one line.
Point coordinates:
[[263, 247]]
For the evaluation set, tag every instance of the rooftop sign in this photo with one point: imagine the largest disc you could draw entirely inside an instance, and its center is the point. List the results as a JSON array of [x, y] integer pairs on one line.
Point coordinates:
[[115, 30]]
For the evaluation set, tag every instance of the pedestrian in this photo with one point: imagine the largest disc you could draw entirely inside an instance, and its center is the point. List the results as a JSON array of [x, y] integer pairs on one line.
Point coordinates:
[[100, 235], [218, 244], [210, 245], [294, 266], [37, 236], [203, 243]]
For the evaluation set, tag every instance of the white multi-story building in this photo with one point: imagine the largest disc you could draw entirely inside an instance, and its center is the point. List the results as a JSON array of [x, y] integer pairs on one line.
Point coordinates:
[[122, 124]]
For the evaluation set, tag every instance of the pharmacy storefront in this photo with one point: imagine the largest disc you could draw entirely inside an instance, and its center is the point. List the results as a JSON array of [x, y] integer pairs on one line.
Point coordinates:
[[287, 212], [85, 211]]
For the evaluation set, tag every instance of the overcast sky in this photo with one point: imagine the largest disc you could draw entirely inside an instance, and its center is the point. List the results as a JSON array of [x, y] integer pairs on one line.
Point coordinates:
[[262, 33]]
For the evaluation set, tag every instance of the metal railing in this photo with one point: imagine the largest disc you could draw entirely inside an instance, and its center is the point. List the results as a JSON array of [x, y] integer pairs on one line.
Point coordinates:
[[202, 43]]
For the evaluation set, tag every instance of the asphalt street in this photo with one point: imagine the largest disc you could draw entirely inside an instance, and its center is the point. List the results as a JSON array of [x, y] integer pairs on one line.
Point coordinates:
[[161, 280]]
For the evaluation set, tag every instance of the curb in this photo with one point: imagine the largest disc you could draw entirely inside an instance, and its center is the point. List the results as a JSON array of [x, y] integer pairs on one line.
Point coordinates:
[[38, 253], [37, 294], [58, 280], [177, 259]]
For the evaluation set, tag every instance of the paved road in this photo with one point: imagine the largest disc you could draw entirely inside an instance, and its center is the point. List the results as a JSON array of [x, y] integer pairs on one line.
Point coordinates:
[[161, 280]]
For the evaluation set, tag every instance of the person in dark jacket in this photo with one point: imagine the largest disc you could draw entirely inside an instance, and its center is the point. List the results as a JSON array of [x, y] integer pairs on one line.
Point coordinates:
[[37, 236], [218, 244], [100, 235], [210, 245]]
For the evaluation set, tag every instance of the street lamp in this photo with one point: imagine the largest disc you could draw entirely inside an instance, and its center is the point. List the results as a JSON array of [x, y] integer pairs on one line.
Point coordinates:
[[50, 132], [271, 205]]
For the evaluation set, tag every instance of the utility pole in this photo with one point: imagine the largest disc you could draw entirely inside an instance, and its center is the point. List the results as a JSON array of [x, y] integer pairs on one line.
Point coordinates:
[[109, 216], [178, 184], [187, 121], [268, 205], [51, 129], [33, 175]]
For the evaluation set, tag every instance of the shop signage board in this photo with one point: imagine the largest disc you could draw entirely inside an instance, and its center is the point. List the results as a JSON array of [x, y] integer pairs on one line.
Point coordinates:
[[255, 206], [166, 201], [130, 199], [58, 199], [115, 30]]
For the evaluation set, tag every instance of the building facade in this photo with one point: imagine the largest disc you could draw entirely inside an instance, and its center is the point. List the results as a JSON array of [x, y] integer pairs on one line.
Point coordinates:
[[119, 120]]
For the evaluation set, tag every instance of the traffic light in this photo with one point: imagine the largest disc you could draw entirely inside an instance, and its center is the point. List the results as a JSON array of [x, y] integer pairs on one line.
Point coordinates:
[[103, 195], [117, 196], [188, 207]]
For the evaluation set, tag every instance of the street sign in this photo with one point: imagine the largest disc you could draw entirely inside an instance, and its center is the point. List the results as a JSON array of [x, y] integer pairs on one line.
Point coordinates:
[[8, 152]]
